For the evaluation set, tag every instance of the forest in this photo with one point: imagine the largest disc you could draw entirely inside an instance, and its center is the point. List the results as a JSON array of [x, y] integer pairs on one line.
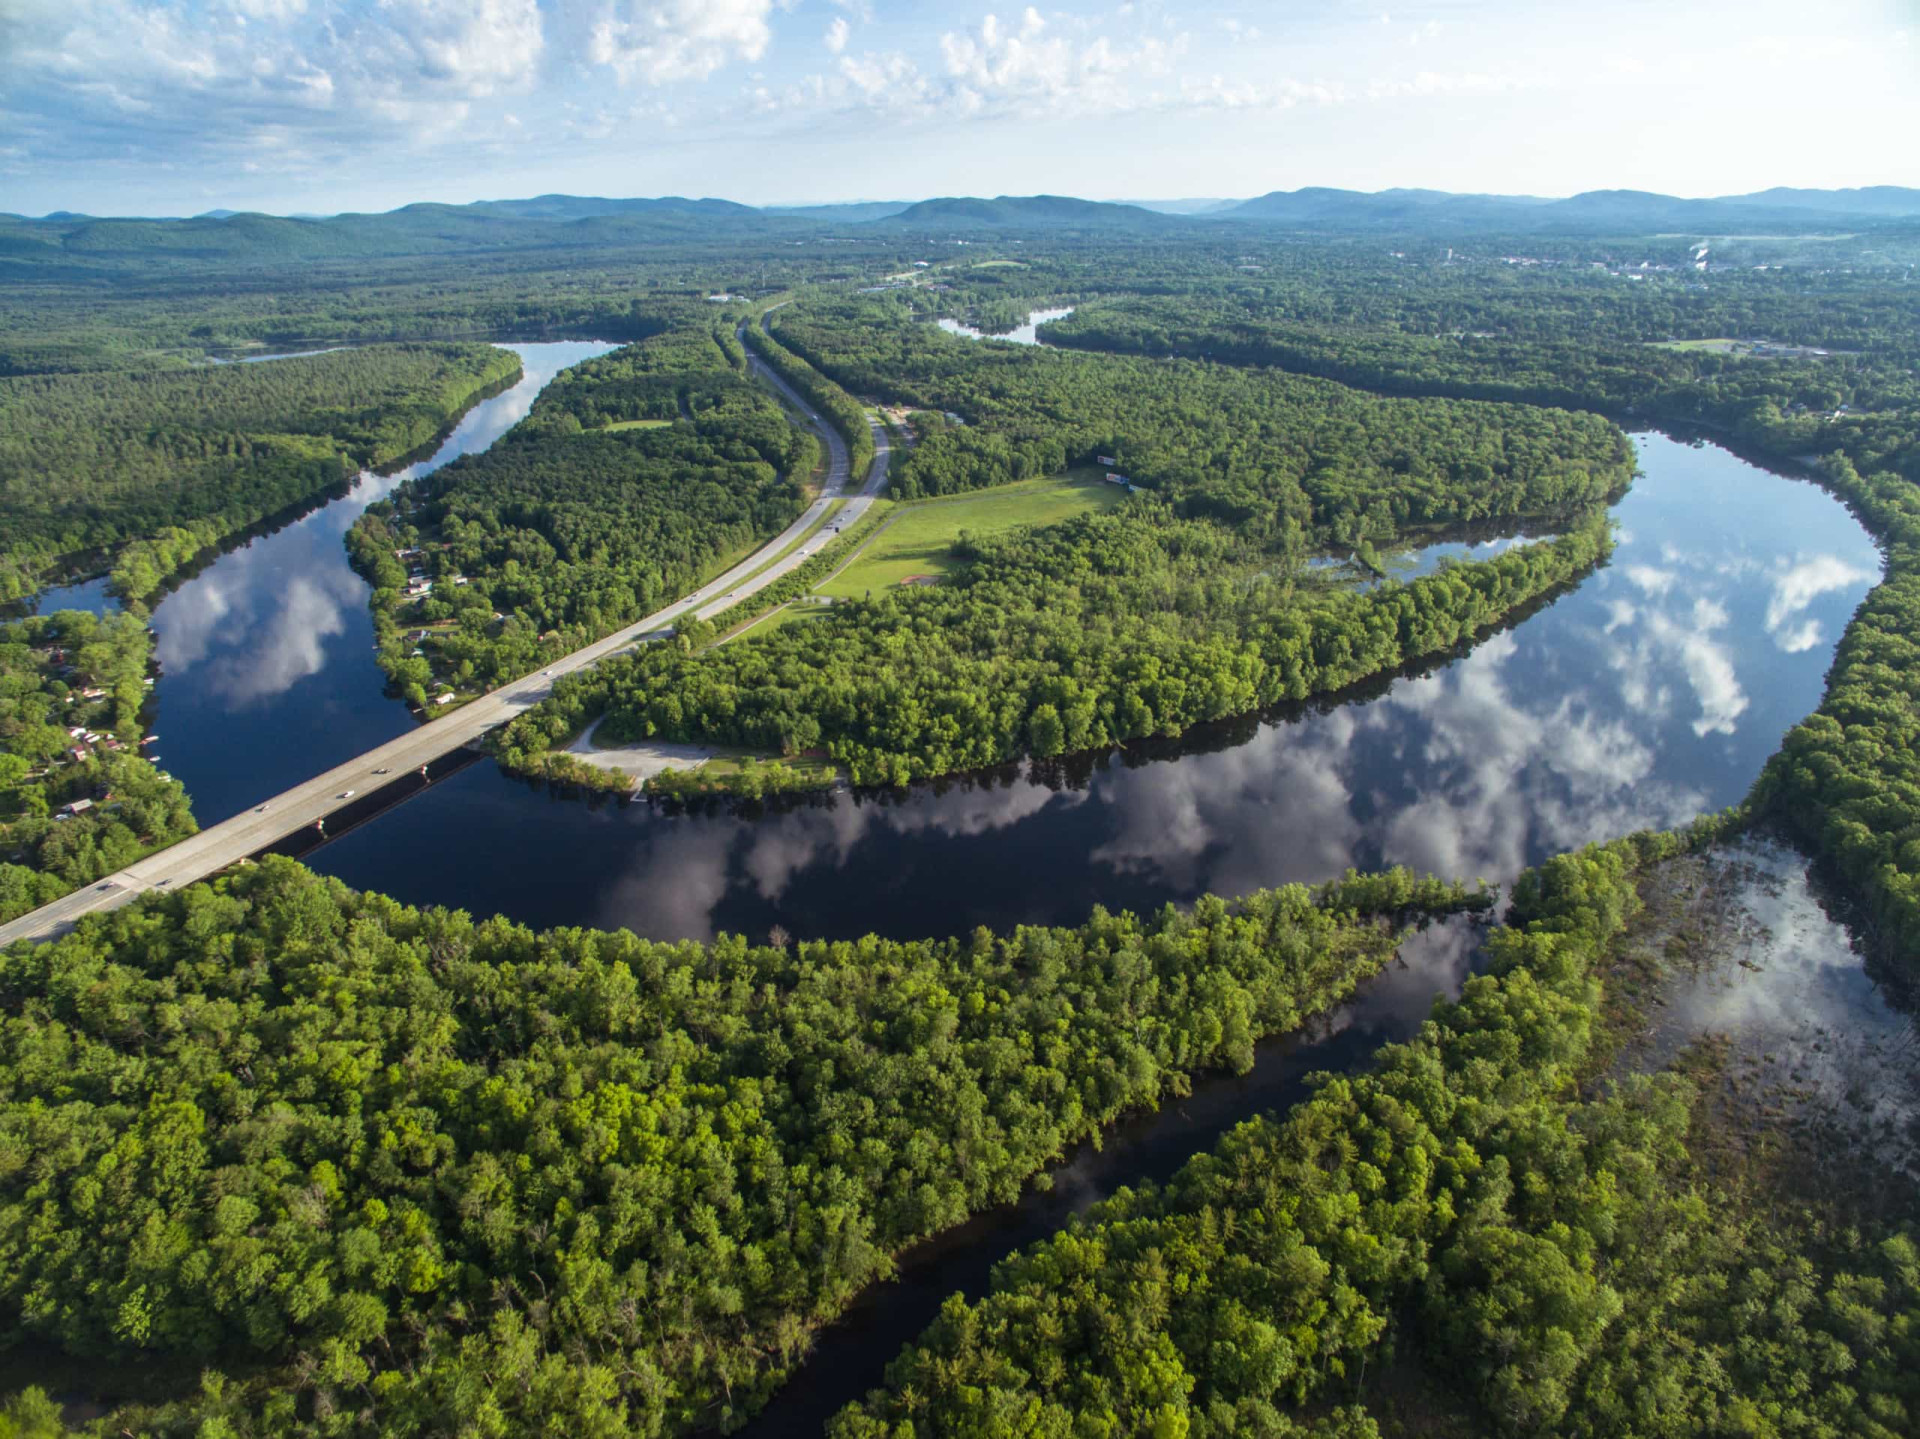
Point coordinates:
[[386, 1170], [1190, 603], [180, 458], [334, 1165], [77, 799], [635, 477], [1253, 452], [1483, 1204], [1076, 636]]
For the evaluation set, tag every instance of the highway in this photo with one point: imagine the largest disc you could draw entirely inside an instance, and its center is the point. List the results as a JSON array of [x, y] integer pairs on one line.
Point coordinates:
[[305, 805]]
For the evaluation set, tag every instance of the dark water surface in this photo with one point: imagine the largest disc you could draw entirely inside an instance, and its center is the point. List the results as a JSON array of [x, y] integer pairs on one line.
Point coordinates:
[[266, 655], [1652, 693]]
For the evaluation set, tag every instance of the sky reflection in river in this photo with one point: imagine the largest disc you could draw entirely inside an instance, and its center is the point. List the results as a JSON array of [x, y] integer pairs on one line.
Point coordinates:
[[266, 655], [1653, 692]]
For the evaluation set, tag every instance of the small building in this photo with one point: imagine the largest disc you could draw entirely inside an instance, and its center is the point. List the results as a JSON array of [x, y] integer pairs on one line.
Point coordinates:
[[79, 806]]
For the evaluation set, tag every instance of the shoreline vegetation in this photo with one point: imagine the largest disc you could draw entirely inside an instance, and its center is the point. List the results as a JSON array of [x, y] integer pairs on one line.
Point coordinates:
[[355, 1167], [155, 468], [1183, 605], [698, 1153], [510, 558]]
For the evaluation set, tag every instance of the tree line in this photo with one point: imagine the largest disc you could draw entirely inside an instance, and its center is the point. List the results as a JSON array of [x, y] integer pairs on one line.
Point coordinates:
[[1481, 1203], [634, 478], [72, 688], [398, 1172], [89, 461]]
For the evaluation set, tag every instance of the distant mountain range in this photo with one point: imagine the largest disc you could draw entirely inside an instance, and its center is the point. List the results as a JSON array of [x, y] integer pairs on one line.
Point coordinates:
[[584, 221], [1616, 211]]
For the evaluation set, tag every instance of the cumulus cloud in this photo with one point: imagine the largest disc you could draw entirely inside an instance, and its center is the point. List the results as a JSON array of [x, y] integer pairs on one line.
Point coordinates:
[[1797, 587], [838, 33], [665, 40]]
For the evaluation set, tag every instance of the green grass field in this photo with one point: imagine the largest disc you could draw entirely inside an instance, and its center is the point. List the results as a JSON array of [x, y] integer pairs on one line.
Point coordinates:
[[920, 539], [636, 424], [1721, 346]]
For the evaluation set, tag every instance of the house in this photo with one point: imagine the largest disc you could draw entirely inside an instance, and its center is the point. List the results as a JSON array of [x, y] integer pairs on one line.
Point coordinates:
[[1107, 460], [79, 806]]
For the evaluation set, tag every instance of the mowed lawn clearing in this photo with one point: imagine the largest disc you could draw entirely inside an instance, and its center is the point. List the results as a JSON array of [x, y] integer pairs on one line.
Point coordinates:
[[919, 541]]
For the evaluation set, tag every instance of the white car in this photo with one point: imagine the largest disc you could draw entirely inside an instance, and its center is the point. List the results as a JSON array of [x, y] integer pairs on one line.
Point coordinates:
[[346, 794], [261, 808]]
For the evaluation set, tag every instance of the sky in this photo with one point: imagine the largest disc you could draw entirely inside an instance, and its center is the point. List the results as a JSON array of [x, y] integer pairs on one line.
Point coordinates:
[[170, 107]]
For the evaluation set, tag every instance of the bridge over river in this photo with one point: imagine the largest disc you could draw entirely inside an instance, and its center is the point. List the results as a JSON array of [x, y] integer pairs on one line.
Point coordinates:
[[348, 785]]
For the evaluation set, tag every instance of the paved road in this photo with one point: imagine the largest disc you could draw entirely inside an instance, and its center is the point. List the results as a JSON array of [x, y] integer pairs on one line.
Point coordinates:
[[301, 807]]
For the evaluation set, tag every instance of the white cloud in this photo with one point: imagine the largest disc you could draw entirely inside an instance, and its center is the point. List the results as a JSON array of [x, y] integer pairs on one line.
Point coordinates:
[[837, 34], [1799, 586], [476, 45], [660, 41]]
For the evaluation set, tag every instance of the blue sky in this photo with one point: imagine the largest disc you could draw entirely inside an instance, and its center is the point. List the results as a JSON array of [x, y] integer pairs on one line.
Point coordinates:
[[177, 106]]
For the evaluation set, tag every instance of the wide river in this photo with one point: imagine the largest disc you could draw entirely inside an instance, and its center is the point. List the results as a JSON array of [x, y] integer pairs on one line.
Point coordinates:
[[1652, 692]]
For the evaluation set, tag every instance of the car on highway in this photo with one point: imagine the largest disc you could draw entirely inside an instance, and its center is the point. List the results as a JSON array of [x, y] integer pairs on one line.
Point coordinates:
[[346, 794], [383, 771], [262, 808]]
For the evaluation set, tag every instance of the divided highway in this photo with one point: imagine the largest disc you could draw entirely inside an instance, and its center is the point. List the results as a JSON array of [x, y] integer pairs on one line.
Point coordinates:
[[305, 805]]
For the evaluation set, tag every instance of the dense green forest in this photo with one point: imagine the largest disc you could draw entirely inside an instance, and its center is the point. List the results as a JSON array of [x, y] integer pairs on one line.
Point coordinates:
[[77, 801], [384, 1170], [1190, 603], [1076, 636], [396, 1172], [1482, 1202], [182, 457], [635, 477], [1256, 452]]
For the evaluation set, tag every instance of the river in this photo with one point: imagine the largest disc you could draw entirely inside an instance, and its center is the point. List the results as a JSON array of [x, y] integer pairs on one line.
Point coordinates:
[[266, 653], [1027, 334], [1651, 693]]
